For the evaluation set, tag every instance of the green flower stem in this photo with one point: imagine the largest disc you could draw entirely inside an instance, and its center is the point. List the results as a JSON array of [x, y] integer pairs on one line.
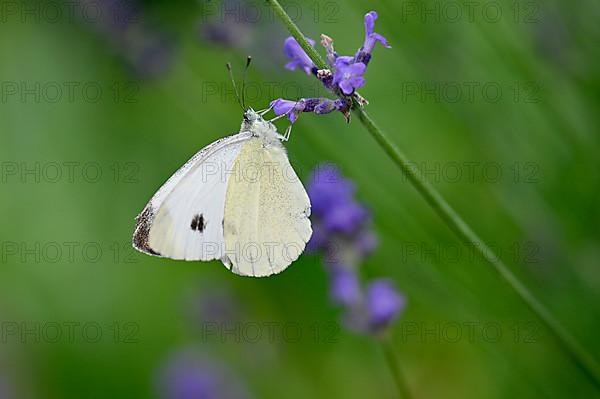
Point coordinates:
[[393, 362], [451, 218], [471, 239]]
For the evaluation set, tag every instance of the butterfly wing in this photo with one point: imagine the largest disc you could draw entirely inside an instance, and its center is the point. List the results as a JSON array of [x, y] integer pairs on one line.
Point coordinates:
[[184, 219], [266, 225]]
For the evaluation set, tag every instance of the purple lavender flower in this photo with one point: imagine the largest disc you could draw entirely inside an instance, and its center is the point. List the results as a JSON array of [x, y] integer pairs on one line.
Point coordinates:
[[290, 108], [371, 37], [345, 218], [344, 285], [336, 213], [348, 76], [348, 72], [327, 189], [188, 376], [383, 304], [377, 309], [332, 199], [298, 57]]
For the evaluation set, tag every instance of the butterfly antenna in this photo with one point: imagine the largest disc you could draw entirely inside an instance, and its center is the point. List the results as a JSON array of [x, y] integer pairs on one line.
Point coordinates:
[[248, 61], [237, 94]]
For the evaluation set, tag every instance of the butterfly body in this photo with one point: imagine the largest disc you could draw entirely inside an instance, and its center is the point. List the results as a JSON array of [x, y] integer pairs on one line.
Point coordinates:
[[237, 200]]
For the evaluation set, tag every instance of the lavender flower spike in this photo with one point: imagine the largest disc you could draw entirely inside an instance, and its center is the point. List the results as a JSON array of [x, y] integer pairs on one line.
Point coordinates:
[[317, 105], [298, 57], [349, 76], [371, 38]]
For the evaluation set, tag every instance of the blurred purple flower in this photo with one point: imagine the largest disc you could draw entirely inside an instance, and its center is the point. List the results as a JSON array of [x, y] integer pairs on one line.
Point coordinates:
[[189, 376], [122, 24], [230, 29], [383, 304], [341, 229], [214, 305], [345, 217], [150, 58], [344, 285], [328, 189], [333, 203], [298, 57], [348, 76], [366, 242], [317, 240]]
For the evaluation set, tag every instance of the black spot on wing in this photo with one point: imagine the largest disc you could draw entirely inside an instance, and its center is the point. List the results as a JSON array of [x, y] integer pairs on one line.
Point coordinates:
[[198, 223]]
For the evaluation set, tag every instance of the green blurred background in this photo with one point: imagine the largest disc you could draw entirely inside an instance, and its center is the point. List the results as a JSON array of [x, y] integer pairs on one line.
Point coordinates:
[[468, 90]]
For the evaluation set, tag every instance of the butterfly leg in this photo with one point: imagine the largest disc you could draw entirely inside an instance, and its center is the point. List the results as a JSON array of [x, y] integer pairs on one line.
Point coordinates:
[[288, 131], [278, 117], [285, 136], [264, 111]]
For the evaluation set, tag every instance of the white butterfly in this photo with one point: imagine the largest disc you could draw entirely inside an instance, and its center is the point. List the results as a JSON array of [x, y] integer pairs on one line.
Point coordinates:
[[237, 200]]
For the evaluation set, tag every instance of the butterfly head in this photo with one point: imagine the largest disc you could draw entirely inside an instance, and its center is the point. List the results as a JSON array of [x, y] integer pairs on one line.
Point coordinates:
[[251, 115], [259, 127], [254, 122]]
